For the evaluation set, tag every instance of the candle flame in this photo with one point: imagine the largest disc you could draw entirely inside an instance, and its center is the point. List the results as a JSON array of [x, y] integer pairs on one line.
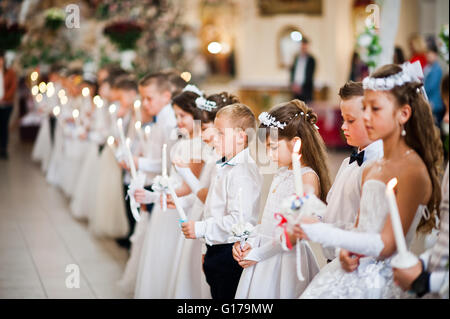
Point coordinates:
[[34, 76], [39, 98], [61, 93], [392, 183], [85, 92], [119, 122], [112, 108], [147, 130], [137, 104], [110, 140], [35, 90], [297, 146], [128, 141], [56, 110], [75, 113], [137, 125]]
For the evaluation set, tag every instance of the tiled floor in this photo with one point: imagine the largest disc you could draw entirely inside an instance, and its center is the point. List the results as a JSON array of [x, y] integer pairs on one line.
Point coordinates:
[[39, 238]]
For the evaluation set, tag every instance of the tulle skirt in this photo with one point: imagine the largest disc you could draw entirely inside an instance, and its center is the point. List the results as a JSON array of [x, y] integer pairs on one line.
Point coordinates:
[[55, 167], [42, 149], [74, 156], [83, 198], [128, 281], [109, 217]]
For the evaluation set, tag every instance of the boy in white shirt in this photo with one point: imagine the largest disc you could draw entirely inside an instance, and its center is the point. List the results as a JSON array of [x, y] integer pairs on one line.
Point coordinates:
[[237, 170], [344, 196]]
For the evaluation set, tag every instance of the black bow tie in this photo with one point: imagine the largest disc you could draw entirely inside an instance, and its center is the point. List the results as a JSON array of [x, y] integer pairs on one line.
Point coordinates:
[[358, 157]]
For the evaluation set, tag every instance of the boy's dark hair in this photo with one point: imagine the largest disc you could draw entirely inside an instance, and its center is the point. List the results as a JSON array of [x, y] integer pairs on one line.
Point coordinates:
[[350, 90], [164, 81], [126, 83]]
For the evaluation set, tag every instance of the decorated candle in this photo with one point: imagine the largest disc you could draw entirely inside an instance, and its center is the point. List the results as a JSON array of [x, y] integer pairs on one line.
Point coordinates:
[[297, 169]]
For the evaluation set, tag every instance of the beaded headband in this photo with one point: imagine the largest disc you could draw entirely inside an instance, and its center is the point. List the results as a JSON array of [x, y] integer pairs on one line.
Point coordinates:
[[270, 121], [411, 73], [201, 102]]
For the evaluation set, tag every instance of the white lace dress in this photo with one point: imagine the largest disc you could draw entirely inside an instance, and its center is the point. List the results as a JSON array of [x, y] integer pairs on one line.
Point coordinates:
[[276, 277], [42, 148], [373, 278]]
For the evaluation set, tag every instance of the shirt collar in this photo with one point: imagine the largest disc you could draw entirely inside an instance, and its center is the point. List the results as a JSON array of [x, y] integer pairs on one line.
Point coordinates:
[[373, 150], [241, 157], [164, 113]]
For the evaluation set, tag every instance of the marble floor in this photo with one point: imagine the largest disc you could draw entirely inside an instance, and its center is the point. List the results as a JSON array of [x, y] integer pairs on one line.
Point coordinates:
[[40, 240]]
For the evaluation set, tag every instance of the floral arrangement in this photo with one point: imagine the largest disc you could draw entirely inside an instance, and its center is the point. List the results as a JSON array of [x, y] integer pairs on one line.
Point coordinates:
[[11, 35], [124, 34], [443, 47], [368, 47], [242, 231], [54, 18]]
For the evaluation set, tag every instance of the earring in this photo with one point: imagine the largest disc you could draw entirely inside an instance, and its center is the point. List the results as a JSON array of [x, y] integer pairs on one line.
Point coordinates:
[[403, 131]]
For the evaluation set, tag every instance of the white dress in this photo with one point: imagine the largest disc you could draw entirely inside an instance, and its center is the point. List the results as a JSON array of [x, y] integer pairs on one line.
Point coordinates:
[[83, 198], [190, 281], [109, 217], [162, 246], [373, 278], [42, 148], [55, 172], [276, 277]]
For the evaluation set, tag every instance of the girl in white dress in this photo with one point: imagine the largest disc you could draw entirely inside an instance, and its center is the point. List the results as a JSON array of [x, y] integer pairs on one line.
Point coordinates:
[[163, 242], [397, 112], [270, 272], [189, 280]]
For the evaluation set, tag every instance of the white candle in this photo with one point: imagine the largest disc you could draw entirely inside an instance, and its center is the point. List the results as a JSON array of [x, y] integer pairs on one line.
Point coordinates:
[[137, 126], [130, 159], [164, 160], [297, 168], [86, 100], [241, 207], [137, 110], [177, 203], [395, 218], [121, 134], [76, 116]]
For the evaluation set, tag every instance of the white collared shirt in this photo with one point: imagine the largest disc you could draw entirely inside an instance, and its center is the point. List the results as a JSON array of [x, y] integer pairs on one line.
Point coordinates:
[[344, 196], [161, 133], [222, 206]]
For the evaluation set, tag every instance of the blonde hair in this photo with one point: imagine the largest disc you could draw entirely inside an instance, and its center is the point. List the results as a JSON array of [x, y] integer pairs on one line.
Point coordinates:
[[418, 44]]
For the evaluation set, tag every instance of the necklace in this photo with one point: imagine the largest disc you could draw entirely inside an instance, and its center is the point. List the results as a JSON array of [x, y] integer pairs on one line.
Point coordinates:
[[384, 161]]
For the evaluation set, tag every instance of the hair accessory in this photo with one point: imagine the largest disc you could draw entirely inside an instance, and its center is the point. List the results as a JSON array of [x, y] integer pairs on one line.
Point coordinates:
[[204, 104], [268, 120], [193, 88], [411, 73]]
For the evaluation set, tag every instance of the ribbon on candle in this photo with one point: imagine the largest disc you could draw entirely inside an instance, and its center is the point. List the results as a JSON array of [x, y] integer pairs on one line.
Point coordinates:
[[283, 225], [136, 183]]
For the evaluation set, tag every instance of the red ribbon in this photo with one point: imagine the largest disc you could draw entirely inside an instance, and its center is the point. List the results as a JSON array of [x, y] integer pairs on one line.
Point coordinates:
[[283, 224]]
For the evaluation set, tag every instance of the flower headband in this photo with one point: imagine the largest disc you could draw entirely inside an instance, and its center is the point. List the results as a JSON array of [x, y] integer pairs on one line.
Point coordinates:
[[270, 121], [201, 102], [411, 73]]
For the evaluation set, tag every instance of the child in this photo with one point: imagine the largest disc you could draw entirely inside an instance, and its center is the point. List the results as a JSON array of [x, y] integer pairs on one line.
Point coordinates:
[[344, 196], [260, 256], [235, 124], [396, 112], [190, 280], [163, 238], [430, 274]]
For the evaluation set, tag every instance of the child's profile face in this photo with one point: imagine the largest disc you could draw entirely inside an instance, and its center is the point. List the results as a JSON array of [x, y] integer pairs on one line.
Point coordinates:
[[185, 120], [353, 122], [153, 99], [381, 116], [279, 151], [228, 140], [208, 133]]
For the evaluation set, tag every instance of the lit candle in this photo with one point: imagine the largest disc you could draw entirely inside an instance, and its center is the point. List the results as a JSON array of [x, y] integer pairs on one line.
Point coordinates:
[[76, 116], [130, 159], [121, 134], [403, 259], [137, 126], [86, 100], [297, 169], [137, 110], [164, 160], [56, 110], [111, 144]]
